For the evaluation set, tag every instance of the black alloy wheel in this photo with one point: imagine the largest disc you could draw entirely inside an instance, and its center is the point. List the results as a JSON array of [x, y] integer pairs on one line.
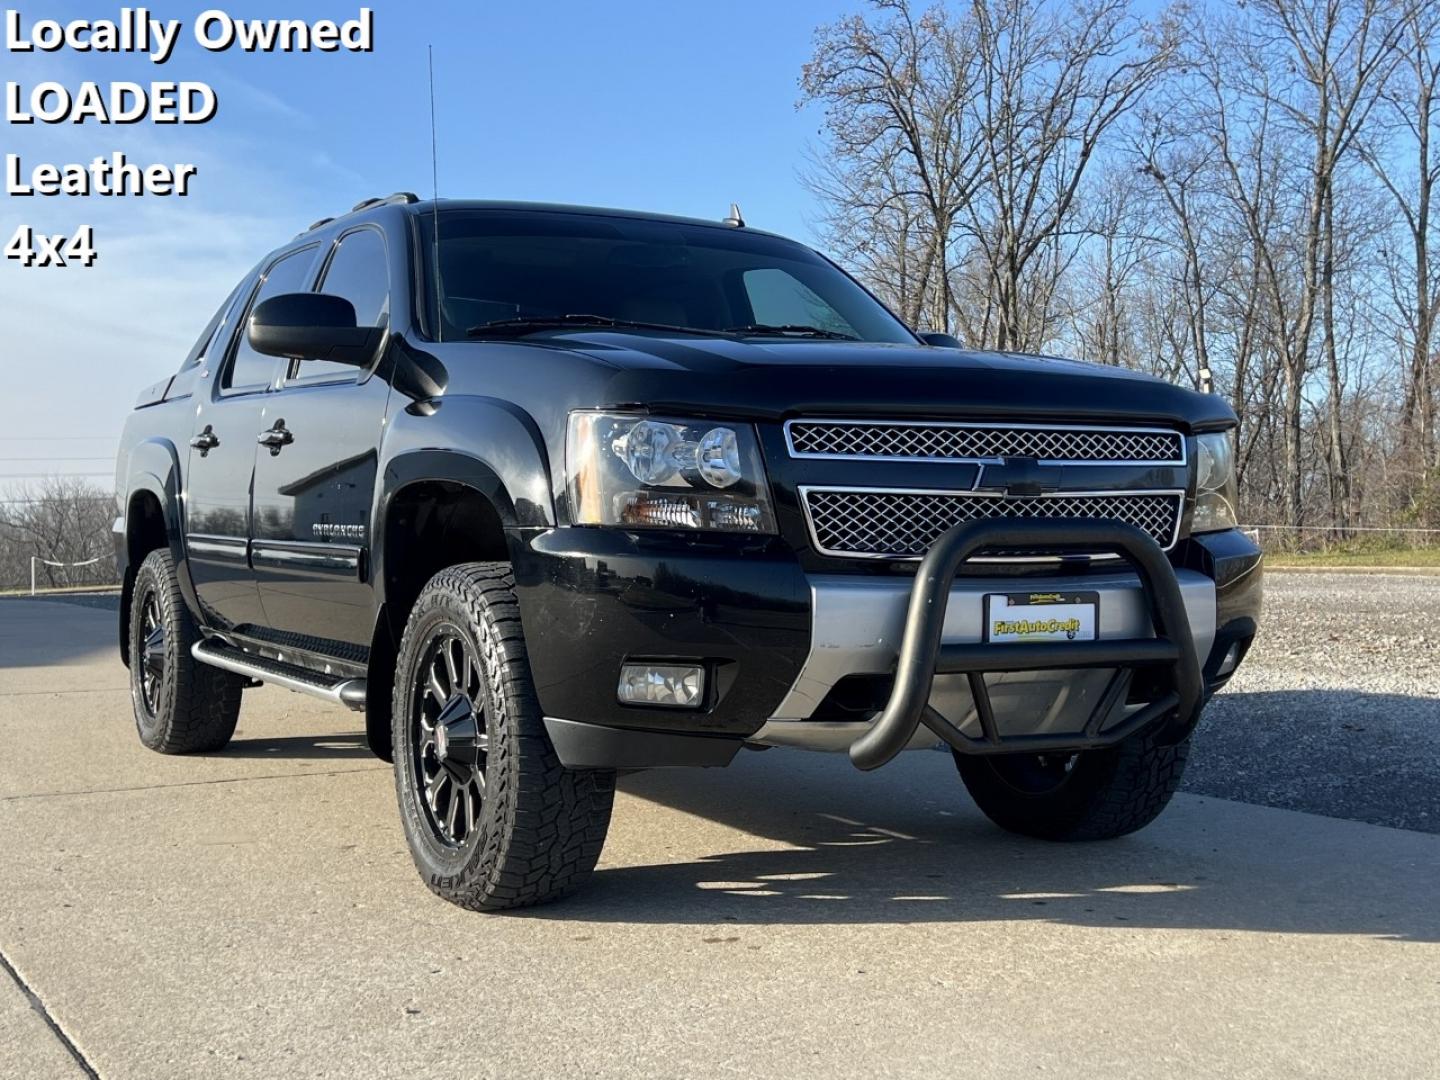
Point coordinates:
[[450, 736], [152, 652]]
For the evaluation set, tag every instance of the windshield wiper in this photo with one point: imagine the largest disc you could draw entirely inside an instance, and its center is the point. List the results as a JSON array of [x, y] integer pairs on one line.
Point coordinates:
[[789, 330], [535, 323]]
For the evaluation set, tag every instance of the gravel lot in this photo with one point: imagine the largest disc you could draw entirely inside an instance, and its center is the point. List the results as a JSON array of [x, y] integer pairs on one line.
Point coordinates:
[[1336, 710]]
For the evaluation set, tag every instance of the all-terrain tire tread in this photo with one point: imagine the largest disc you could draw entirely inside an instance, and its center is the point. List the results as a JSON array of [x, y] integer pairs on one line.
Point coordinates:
[[201, 704], [1127, 788], [552, 820]]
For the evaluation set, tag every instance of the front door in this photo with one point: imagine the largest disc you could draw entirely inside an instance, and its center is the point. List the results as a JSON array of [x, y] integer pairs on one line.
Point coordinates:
[[315, 481], [231, 411]]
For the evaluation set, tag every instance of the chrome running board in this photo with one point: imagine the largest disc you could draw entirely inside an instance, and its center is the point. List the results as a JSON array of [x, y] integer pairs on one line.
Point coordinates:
[[339, 691]]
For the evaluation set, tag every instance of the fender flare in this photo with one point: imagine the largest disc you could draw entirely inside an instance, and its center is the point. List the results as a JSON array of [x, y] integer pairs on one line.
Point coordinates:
[[508, 466], [153, 467]]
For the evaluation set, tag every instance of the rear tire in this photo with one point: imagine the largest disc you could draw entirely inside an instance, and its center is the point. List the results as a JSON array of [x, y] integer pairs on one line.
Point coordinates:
[[1092, 795], [492, 818], [181, 705]]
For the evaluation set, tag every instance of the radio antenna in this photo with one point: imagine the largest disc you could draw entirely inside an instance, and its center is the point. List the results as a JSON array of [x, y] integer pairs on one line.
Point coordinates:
[[435, 199]]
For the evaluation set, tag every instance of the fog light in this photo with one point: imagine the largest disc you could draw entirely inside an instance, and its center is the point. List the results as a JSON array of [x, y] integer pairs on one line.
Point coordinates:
[[679, 686]]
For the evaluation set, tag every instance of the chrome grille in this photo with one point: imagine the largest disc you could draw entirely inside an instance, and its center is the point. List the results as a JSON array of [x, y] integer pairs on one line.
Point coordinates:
[[920, 441], [856, 523]]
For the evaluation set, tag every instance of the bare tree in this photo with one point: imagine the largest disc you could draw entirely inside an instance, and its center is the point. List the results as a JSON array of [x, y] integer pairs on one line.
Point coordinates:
[[1292, 84], [1055, 80], [1110, 269], [1342, 54], [1411, 118], [895, 91], [60, 520], [989, 118]]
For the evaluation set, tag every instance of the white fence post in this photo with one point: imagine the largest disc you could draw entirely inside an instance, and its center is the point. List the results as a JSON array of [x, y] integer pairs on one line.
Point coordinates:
[[36, 560]]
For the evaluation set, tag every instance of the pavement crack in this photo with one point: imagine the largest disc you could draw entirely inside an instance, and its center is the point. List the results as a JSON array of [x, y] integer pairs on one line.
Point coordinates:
[[44, 1013], [189, 783]]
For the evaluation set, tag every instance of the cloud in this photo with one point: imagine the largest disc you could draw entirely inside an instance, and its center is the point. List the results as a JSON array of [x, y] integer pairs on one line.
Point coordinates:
[[230, 86]]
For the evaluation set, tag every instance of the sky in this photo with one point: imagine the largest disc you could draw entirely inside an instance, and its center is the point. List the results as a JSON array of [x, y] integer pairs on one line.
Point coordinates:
[[678, 107]]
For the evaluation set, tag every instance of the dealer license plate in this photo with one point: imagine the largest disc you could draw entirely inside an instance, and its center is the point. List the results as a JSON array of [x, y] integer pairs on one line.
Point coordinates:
[[1038, 616]]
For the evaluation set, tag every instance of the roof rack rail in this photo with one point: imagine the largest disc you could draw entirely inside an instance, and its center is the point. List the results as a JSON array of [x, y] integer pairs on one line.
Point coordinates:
[[403, 197]]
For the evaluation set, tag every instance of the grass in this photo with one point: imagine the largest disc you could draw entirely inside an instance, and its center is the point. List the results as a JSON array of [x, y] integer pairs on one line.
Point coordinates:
[[60, 589], [1373, 557]]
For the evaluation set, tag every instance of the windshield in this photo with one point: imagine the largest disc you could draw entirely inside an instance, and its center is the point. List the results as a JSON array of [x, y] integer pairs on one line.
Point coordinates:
[[498, 265]]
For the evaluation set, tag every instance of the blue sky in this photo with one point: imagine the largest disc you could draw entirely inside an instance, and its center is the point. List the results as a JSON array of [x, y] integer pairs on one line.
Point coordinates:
[[679, 107]]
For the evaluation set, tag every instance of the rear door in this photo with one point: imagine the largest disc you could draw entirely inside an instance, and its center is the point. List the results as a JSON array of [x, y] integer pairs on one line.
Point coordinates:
[[230, 414], [313, 493]]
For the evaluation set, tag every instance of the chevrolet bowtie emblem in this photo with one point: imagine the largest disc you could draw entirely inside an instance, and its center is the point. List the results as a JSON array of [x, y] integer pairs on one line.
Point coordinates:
[[1019, 476]]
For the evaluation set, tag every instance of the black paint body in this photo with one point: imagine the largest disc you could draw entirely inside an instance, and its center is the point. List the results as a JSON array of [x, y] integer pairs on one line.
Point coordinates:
[[307, 548]]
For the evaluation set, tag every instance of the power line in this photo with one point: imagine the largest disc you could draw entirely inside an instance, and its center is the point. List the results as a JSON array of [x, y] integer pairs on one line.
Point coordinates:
[[91, 457], [36, 501], [54, 475]]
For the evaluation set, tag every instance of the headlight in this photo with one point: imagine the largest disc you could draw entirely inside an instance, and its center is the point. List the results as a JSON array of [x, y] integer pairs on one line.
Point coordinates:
[[1215, 489], [645, 472]]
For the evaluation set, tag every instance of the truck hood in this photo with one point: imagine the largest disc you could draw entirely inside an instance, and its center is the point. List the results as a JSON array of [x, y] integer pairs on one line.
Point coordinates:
[[772, 380]]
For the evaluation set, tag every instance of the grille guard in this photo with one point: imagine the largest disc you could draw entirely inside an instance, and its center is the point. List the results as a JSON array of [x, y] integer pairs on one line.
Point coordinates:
[[923, 655]]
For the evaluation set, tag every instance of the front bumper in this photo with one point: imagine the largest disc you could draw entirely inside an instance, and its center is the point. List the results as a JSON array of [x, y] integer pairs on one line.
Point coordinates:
[[860, 625], [779, 642]]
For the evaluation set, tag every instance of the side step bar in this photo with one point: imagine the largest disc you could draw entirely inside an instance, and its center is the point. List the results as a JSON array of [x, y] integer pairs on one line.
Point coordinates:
[[342, 691]]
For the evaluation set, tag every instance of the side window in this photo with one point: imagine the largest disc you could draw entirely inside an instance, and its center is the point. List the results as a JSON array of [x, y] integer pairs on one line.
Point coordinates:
[[779, 299], [207, 336], [250, 370], [359, 272]]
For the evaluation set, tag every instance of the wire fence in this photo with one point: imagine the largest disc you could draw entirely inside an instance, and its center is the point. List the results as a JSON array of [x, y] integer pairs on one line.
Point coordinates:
[[1356, 539], [96, 573]]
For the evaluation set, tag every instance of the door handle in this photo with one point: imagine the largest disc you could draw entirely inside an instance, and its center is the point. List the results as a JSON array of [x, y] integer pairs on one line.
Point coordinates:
[[206, 441], [276, 437]]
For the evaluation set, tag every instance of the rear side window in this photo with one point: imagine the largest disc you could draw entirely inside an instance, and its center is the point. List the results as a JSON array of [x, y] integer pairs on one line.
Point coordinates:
[[250, 370], [207, 336], [359, 272]]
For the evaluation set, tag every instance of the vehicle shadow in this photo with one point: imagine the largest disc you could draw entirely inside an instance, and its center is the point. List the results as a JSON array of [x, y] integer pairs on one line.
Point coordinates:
[[826, 844], [300, 748], [1380, 754]]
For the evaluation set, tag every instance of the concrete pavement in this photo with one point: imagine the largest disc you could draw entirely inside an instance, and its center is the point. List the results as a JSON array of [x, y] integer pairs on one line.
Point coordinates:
[[255, 913]]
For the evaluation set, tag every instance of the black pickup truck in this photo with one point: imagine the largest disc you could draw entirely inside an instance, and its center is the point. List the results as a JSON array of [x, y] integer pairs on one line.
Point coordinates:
[[549, 492]]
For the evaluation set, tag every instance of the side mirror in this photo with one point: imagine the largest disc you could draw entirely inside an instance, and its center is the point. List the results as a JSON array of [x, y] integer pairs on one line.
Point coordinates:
[[940, 341], [312, 326]]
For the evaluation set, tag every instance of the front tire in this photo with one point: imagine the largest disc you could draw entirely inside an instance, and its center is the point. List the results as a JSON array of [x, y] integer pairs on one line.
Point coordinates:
[[492, 818], [181, 705], [1092, 795]]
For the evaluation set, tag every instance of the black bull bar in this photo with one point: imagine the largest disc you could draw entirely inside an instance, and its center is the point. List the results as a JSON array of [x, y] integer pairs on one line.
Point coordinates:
[[923, 655]]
